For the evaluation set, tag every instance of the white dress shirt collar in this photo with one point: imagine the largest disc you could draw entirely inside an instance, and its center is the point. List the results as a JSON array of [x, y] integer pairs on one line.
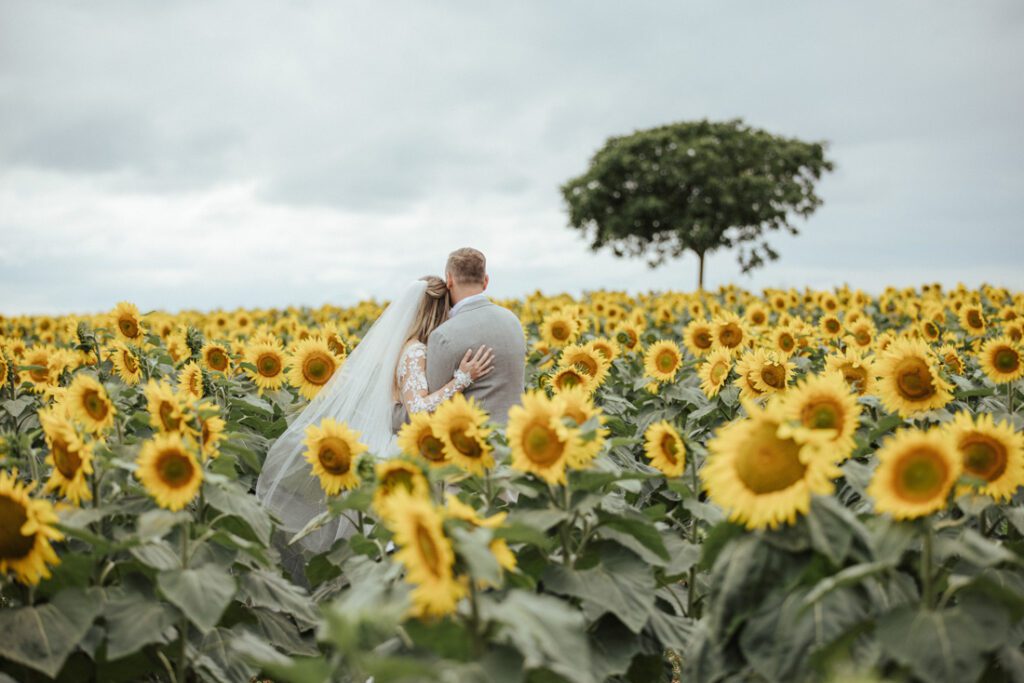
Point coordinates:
[[463, 302]]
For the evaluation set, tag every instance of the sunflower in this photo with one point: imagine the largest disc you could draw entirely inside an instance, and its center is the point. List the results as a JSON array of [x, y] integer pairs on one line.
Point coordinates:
[[916, 470], [559, 329], [587, 360], [1000, 359], [45, 368], [216, 357], [729, 332], [166, 411], [858, 370], [990, 452], [762, 372], [861, 334], [268, 359], [169, 471], [909, 380], [824, 402], [756, 314], [540, 441], [128, 323], [784, 341], [426, 553], [972, 319], [335, 341], [460, 424], [697, 337], [126, 363], [190, 380], [177, 348], [312, 366], [830, 326], [714, 372], [26, 532], [416, 438], [575, 404], [566, 379], [930, 330], [398, 475], [70, 457], [332, 448], [950, 359], [211, 433], [764, 473], [88, 403], [665, 449], [627, 335], [456, 509], [4, 370], [608, 349], [662, 360]]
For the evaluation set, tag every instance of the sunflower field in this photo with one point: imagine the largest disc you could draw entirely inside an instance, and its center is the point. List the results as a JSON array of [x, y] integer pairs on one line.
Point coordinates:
[[711, 486]]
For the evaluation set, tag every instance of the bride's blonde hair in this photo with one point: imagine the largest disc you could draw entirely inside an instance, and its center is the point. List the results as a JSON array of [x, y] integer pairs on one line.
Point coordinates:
[[433, 309]]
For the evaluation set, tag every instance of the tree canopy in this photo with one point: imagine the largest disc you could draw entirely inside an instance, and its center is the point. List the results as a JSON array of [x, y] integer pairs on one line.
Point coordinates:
[[696, 186]]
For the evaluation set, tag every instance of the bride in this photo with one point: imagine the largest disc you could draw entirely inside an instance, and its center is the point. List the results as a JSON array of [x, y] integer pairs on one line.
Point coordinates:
[[388, 368]]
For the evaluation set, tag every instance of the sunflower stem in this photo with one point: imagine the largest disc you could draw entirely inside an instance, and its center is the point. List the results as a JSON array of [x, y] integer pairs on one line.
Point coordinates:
[[186, 531], [927, 586], [1009, 397]]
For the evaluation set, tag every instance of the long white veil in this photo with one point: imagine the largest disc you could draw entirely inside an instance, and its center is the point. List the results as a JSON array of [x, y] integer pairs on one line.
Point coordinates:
[[359, 394]]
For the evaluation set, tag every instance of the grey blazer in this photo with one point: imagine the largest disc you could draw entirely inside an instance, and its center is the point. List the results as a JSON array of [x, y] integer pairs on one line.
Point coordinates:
[[481, 323]]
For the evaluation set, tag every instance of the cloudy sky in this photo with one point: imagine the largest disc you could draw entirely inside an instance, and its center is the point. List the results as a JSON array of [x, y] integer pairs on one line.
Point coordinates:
[[217, 153]]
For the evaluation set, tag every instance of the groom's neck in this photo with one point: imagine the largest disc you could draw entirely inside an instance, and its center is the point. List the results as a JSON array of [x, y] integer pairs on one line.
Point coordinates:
[[460, 292]]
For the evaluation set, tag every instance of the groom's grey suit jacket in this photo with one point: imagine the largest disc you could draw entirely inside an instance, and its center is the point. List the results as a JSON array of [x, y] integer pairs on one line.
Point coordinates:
[[481, 323]]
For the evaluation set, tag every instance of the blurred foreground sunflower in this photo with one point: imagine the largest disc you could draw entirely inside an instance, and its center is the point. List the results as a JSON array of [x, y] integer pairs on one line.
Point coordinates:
[[540, 441], [665, 449], [916, 471], [1000, 359], [26, 532], [461, 426], [990, 452], [417, 439], [909, 380]]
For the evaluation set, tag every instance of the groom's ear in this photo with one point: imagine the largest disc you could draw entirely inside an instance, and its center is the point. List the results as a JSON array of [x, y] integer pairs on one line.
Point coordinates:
[[449, 281], [487, 281]]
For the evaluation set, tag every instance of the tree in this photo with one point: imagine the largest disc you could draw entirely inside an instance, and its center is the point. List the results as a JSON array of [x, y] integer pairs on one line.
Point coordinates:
[[695, 186]]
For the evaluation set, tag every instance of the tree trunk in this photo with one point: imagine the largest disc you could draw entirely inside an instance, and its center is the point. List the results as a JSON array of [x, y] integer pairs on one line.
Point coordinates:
[[700, 271]]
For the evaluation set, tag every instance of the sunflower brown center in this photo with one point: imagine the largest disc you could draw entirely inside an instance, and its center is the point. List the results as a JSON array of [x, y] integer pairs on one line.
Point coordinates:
[[719, 371], [217, 360], [168, 419], [920, 475], [786, 342], [317, 368], [430, 446], [66, 461], [930, 330], [773, 375], [670, 449], [585, 364], [130, 363], [175, 468], [666, 361], [702, 339], [1006, 359], [855, 376], [397, 479], [766, 463], [974, 319], [914, 379], [40, 375], [542, 445], [822, 413], [464, 443], [94, 405], [568, 380], [14, 545], [336, 345], [560, 331], [128, 327], [757, 317], [832, 326], [429, 551], [730, 335], [268, 364], [863, 336], [984, 457], [335, 455]]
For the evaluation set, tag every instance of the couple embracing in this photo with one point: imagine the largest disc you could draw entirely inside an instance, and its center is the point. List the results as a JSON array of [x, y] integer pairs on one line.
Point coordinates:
[[439, 337]]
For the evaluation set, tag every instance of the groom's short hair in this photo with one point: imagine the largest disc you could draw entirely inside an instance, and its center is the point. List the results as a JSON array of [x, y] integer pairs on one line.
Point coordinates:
[[467, 266]]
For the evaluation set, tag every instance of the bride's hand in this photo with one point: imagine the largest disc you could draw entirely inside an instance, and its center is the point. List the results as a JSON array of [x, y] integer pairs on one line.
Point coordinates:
[[478, 364]]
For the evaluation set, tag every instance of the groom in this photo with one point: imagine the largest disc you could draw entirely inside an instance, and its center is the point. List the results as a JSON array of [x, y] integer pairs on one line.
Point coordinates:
[[474, 322]]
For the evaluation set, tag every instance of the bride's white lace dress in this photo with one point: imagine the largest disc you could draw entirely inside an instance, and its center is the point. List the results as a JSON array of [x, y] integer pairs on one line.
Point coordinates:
[[411, 378]]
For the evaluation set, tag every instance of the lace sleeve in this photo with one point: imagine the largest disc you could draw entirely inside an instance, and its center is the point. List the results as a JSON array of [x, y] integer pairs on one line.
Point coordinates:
[[412, 382]]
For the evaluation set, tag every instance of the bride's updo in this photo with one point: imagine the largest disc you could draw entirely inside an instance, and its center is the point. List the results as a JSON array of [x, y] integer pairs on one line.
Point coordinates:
[[433, 309]]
